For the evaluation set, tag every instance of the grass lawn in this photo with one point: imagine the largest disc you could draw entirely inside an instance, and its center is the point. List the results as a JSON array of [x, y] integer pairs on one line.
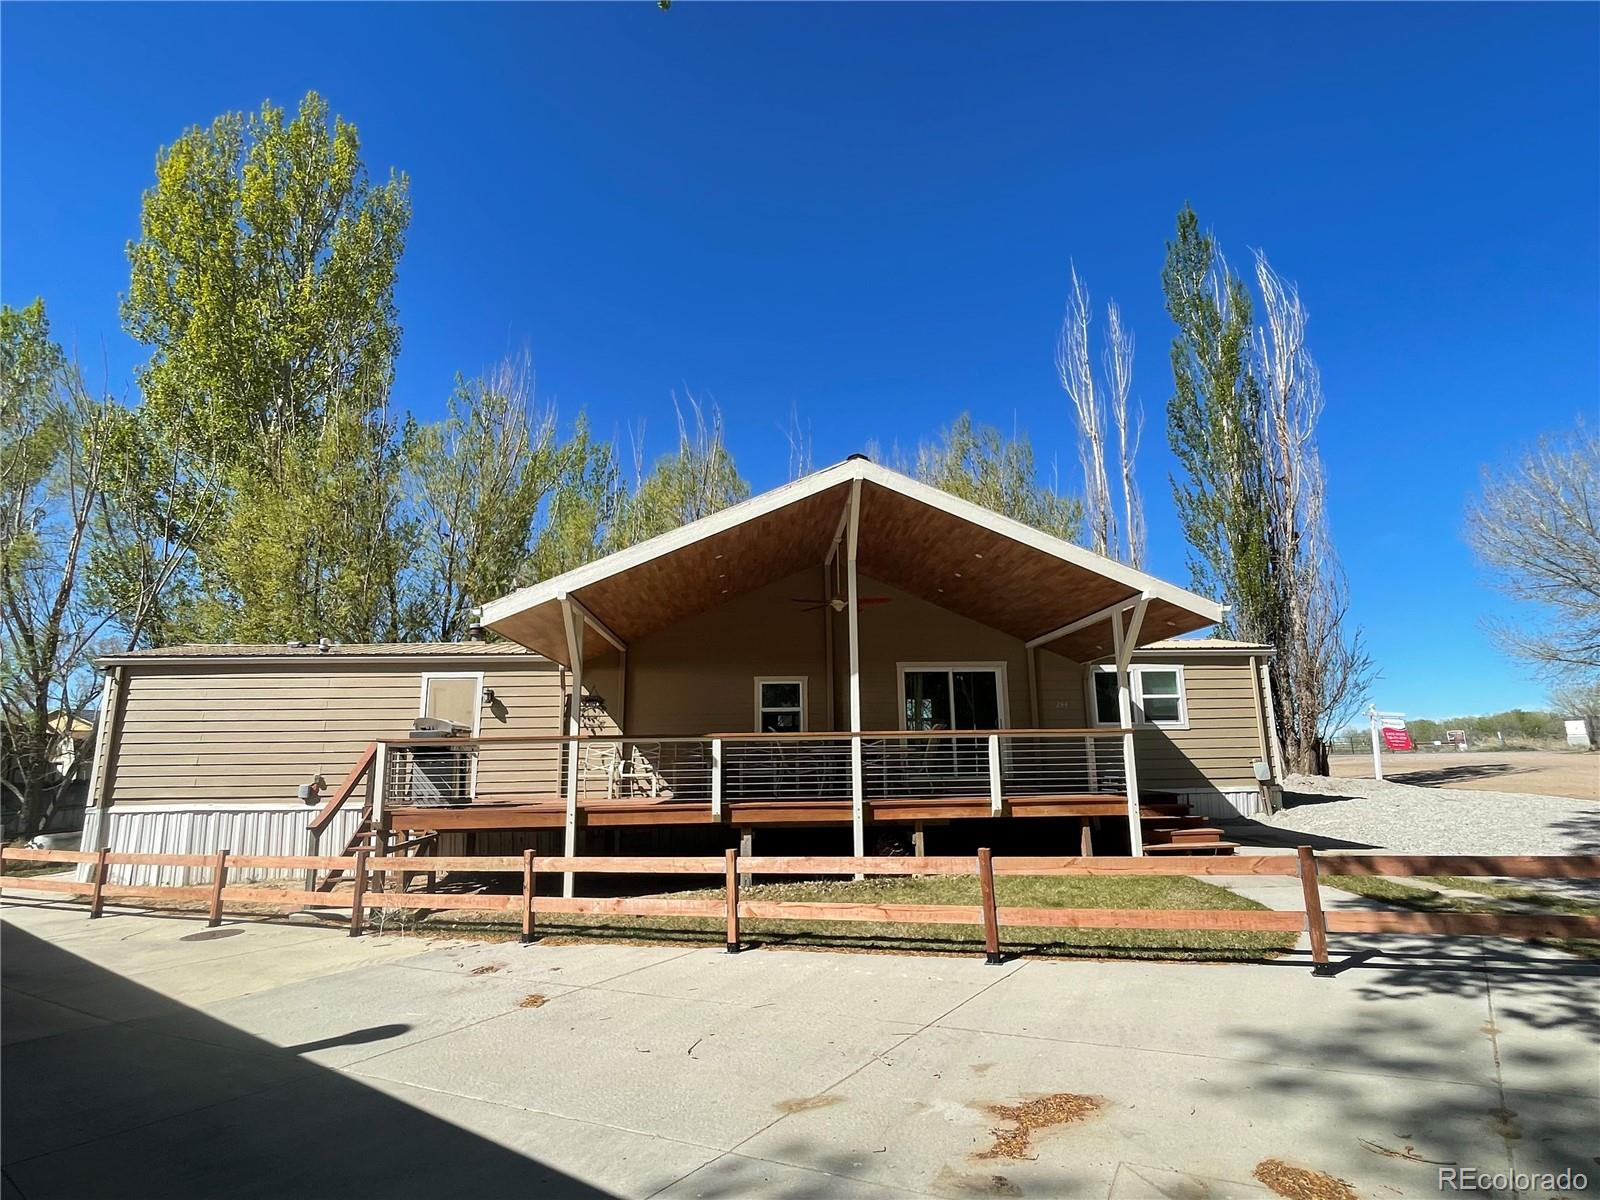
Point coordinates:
[[1423, 895], [1020, 891]]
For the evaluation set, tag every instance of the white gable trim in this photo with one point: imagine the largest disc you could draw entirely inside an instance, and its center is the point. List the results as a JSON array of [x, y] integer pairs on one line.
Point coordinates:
[[821, 481]]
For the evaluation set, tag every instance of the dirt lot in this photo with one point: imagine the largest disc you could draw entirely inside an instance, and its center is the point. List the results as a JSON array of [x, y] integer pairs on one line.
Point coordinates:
[[1574, 774]]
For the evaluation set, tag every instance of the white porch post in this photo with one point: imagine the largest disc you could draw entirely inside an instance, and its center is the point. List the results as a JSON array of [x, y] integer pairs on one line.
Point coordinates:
[[1123, 643], [857, 788], [716, 779], [574, 624]]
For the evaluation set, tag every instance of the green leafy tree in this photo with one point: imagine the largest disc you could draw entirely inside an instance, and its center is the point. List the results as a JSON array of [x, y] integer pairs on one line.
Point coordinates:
[[51, 471], [263, 283], [980, 464], [501, 497], [1213, 424]]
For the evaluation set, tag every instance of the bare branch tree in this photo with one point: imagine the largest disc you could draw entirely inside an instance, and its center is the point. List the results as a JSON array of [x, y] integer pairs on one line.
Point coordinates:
[[1118, 361], [1537, 527], [1322, 668], [1075, 370]]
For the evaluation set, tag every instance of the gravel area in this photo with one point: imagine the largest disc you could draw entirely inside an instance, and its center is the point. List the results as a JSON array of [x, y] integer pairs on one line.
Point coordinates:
[[1427, 820]]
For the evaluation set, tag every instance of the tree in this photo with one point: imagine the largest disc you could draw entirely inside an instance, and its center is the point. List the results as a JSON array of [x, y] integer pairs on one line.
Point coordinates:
[[978, 463], [502, 499], [700, 478], [263, 279], [1323, 671], [1123, 537], [1536, 527], [1242, 422], [1213, 424], [263, 283]]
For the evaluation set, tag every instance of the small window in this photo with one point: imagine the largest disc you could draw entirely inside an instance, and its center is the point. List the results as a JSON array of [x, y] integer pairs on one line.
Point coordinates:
[[1160, 696], [780, 705], [1156, 693]]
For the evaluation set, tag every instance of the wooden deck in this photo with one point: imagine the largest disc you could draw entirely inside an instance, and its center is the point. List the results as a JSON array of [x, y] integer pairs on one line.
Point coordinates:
[[549, 812]]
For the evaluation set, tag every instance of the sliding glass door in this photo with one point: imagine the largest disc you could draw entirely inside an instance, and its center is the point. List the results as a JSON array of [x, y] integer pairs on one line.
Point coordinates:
[[941, 697]]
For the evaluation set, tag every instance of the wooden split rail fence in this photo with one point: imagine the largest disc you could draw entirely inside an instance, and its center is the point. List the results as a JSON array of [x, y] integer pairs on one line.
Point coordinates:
[[367, 891]]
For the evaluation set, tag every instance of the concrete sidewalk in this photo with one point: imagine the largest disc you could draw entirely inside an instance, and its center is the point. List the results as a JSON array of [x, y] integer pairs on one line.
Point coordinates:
[[147, 1056]]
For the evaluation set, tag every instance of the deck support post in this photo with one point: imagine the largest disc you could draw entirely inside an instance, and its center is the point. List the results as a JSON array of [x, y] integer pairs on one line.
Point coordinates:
[[919, 841], [853, 610], [1123, 641], [747, 841], [1085, 837], [574, 625]]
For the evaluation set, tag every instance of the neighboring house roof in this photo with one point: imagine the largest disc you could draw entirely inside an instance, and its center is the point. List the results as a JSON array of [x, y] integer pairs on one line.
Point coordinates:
[[948, 551], [1207, 644], [280, 650]]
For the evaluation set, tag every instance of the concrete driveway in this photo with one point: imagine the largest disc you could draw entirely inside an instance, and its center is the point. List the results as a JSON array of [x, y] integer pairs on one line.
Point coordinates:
[[147, 1056]]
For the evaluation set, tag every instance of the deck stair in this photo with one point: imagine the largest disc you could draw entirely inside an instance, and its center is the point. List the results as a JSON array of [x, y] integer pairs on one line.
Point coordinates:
[[1170, 827]]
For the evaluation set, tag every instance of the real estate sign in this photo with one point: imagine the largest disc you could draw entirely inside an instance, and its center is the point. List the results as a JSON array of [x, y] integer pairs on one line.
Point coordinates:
[[1395, 734]]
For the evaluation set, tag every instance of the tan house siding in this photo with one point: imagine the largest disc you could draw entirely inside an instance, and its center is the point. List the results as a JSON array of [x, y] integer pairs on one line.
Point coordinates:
[[698, 676], [1223, 737], [253, 733], [907, 630], [1062, 698]]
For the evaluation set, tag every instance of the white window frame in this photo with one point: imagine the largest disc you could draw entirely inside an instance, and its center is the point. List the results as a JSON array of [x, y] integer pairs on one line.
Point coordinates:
[[805, 705], [1136, 690], [998, 669], [429, 676]]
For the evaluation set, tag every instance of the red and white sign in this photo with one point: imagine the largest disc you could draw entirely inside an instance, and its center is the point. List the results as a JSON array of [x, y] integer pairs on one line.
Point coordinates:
[[1395, 734]]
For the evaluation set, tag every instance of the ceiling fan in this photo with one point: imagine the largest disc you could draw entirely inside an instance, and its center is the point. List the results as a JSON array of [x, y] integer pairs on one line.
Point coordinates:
[[838, 603]]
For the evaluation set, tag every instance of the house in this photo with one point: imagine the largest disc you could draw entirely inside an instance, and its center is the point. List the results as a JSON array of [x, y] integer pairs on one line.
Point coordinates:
[[853, 652]]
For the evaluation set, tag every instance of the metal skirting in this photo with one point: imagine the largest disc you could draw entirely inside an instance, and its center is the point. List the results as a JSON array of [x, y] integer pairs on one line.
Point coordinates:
[[205, 829], [1225, 802]]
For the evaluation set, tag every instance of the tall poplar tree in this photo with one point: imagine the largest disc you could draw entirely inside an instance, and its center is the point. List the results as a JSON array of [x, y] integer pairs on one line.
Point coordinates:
[[263, 283], [1213, 424]]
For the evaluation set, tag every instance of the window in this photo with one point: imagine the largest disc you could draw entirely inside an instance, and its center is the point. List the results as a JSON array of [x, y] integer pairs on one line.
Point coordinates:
[[780, 705], [1156, 693], [952, 696]]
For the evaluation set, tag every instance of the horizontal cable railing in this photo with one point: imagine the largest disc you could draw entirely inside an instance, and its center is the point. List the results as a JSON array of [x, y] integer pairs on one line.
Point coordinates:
[[778, 769], [720, 769], [1034, 764]]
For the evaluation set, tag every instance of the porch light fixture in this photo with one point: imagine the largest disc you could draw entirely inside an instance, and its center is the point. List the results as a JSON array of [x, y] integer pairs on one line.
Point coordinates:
[[488, 695]]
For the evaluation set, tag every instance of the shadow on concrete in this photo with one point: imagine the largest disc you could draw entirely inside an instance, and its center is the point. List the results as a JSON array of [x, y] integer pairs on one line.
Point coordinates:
[[201, 1109], [1540, 1115]]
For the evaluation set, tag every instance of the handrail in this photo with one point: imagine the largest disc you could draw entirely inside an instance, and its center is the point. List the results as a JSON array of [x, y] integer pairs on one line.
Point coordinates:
[[556, 739], [341, 797]]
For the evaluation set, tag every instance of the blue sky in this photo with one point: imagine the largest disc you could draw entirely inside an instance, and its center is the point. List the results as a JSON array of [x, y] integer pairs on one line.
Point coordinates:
[[867, 213]]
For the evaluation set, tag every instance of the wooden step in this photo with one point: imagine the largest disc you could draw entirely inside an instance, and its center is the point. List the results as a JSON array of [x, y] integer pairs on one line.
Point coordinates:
[[1212, 847], [1163, 810]]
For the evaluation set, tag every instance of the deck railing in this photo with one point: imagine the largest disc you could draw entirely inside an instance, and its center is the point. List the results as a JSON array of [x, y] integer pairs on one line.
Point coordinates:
[[764, 768]]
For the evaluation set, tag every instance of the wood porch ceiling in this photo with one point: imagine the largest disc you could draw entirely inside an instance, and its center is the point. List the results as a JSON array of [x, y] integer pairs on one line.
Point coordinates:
[[968, 567]]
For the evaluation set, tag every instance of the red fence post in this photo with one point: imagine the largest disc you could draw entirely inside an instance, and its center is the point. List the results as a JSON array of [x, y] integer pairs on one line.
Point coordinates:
[[357, 912], [219, 872], [731, 888], [991, 914], [528, 881], [97, 897], [1316, 922]]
